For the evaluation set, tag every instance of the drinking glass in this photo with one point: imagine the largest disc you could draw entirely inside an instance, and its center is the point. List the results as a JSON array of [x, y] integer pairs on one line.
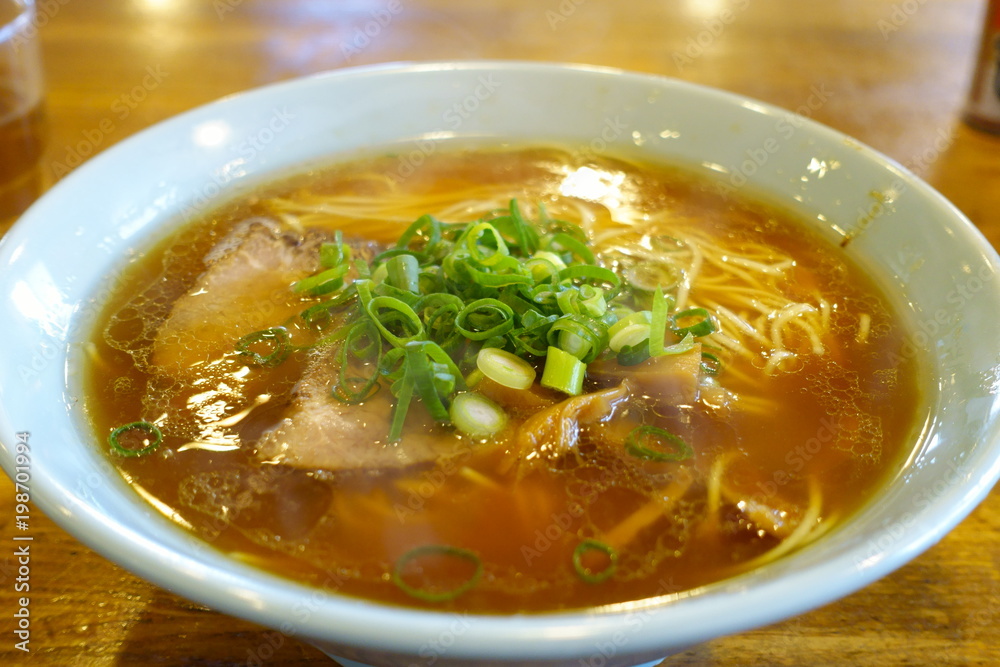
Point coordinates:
[[22, 116]]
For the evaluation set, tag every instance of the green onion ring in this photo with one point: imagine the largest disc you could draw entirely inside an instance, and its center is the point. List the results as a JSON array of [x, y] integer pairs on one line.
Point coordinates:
[[592, 331], [592, 273], [710, 364], [318, 314], [324, 282], [397, 311], [432, 237], [477, 232], [632, 355], [594, 545], [437, 550], [701, 328], [562, 240], [154, 442], [634, 446], [500, 311], [276, 336], [487, 279], [352, 389]]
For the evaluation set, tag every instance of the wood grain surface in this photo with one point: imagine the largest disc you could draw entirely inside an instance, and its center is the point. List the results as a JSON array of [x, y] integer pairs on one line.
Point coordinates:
[[891, 73]]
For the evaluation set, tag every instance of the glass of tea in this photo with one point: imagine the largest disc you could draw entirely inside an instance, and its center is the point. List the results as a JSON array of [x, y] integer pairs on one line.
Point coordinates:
[[21, 109]]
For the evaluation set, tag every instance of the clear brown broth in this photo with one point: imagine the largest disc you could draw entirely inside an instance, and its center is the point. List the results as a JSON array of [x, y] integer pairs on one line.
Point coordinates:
[[345, 531]]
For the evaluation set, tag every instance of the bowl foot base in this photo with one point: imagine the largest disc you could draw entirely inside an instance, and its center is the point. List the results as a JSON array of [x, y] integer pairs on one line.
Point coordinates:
[[351, 663]]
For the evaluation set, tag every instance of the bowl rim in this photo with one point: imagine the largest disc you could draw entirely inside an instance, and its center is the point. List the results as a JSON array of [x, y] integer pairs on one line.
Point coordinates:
[[350, 621]]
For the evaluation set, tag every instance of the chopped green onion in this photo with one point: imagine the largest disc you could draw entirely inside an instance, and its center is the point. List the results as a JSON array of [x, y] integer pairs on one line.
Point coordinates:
[[586, 273], [505, 368], [388, 311], [319, 314], [432, 235], [638, 317], [478, 252], [473, 378], [567, 301], [402, 272], [276, 338], [533, 337], [710, 364], [404, 395], [630, 355], [703, 327], [591, 336], [563, 372], [440, 550], [551, 257], [658, 322], [421, 372], [592, 301], [476, 415], [527, 237], [336, 253], [324, 282], [652, 443], [487, 279], [574, 344], [485, 318], [381, 274], [150, 440], [686, 344], [630, 336], [491, 293], [585, 573], [354, 389], [384, 257], [564, 241]]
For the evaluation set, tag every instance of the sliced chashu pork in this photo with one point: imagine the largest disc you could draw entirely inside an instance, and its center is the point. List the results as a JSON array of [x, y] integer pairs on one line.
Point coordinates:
[[246, 287], [320, 432], [669, 380]]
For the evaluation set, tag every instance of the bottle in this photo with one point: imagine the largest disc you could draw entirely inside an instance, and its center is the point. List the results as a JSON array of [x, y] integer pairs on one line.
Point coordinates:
[[983, 107]]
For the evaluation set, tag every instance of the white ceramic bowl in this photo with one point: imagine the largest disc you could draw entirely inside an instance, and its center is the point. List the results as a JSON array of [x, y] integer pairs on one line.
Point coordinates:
[[928, 257]]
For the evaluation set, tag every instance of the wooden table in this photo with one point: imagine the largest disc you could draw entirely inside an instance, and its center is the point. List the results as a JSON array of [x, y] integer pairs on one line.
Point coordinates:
[[894, 75]]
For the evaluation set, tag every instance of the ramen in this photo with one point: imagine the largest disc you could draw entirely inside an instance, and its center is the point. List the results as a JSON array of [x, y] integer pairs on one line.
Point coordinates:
[[514, 380]]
